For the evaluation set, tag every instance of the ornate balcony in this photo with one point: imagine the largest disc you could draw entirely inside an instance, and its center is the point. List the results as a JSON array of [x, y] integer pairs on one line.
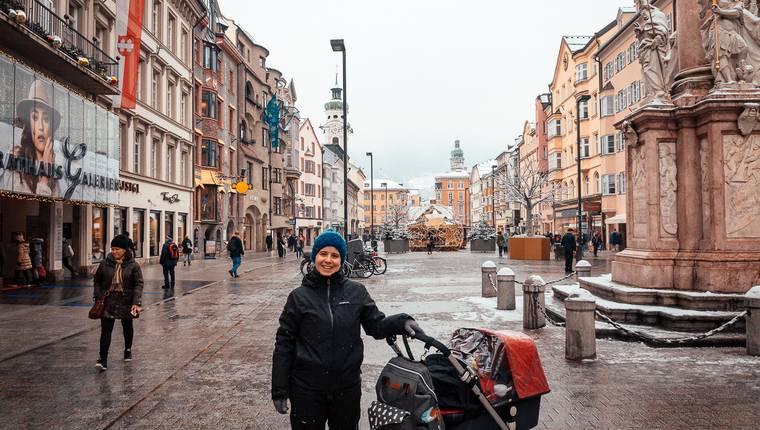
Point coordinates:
[[43, 38]]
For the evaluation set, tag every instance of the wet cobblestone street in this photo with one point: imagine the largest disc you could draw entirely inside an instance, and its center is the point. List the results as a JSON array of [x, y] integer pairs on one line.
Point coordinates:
[[203, 359]]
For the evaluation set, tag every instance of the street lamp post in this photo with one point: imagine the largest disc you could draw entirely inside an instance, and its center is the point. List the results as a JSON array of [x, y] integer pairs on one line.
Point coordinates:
[[371, 195], [339, 46], [582, 99], [493, 195]]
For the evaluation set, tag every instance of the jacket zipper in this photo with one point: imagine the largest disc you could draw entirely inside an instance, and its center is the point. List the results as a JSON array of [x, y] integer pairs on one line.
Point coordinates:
[[329, 305], [332, 328]]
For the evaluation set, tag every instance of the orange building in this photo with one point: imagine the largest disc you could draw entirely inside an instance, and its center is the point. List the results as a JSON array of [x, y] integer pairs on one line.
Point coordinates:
[[452, 189]]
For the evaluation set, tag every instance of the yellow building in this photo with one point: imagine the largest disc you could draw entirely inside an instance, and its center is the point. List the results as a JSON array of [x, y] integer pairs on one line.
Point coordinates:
[[391, 200]]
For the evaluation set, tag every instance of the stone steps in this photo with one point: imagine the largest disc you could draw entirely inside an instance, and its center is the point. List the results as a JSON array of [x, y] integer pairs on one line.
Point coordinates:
[[670, 318], [652, 336], [603, 286]]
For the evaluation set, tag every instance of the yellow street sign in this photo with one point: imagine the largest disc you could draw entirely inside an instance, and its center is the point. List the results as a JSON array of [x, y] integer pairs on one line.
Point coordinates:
[[242, 187]]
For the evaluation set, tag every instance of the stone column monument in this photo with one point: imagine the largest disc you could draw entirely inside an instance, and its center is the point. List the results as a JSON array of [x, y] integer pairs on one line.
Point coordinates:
[[693, 153]]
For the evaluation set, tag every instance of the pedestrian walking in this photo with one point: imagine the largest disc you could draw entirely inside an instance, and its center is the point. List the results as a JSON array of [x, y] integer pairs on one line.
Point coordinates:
[[23, 273], [614, 240], [500, 242], [299, 246], [430, 243], [322, 379], [236, 252], [568, 245], [280, 246], [269, 242], [168, 260], [596, 242], [187, 251], [68, 253], [291, 242], [119, 277]]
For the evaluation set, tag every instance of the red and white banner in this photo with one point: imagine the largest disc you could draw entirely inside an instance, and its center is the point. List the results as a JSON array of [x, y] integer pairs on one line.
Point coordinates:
[[129, 16]]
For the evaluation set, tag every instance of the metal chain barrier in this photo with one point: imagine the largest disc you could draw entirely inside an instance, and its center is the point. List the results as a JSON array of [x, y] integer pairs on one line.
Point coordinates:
[[551, 320], [671, 341], [550, 282]]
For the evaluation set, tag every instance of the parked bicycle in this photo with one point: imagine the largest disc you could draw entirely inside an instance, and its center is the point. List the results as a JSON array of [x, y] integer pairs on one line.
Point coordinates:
[[381, 265]]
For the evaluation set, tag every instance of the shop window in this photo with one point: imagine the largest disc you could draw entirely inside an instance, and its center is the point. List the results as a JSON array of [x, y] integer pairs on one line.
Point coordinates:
[[154, 241], [181, 227], [138, 231], [99, 224], [169, 226], [208, 205]]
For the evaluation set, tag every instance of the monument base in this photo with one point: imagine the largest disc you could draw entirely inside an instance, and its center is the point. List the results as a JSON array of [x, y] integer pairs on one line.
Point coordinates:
[[717, 271]]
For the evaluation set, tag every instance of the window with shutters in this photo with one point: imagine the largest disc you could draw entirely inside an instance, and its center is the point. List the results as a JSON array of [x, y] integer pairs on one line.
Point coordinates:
[[608, 144], [621, 183], [609, 184], [585, 148], [608, 105]]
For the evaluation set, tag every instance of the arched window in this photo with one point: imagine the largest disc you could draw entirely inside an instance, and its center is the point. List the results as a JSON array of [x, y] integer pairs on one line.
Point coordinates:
[[597, 184], [572, 188], [249, 91], [587, 185], [243, 131]]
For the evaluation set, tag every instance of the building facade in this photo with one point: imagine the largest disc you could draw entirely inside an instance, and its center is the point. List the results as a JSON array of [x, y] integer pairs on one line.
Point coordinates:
[[310, 187], [332, 161], [356, 179], [391, 203], [453, 188]]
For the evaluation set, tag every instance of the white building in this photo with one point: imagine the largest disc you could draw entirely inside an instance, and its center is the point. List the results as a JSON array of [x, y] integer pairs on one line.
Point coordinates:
[[481, 192], [332, 161]]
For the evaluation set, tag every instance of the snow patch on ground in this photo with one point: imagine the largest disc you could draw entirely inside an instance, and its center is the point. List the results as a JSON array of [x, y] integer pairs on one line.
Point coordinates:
[[487, 312]]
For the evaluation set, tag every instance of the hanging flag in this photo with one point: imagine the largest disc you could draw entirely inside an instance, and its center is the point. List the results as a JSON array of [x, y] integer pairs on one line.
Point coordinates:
[[272, 117], [129, 16]]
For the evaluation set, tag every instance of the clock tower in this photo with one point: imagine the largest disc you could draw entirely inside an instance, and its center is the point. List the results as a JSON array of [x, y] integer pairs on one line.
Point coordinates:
[[333, 126]]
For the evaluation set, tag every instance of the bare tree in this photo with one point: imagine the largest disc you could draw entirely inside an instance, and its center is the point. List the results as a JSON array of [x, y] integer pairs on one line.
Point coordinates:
[[398, 214], [527, 185]]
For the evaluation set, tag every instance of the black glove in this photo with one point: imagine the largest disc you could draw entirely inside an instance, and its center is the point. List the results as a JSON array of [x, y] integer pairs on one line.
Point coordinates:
[[411, 327], [281, 405]]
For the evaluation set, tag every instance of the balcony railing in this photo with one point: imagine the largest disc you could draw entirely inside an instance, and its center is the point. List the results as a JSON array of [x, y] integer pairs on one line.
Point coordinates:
[[45, 23]]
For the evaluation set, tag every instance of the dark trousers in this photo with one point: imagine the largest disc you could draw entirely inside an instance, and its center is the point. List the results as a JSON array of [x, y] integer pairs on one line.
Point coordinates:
[[312, 409], [568, 261], [168, 277], [67, 264], [106, 328], [596, 250]]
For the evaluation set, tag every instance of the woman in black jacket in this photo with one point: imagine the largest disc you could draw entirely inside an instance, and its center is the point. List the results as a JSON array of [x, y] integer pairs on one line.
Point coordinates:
[[120, 276], [318, 348]]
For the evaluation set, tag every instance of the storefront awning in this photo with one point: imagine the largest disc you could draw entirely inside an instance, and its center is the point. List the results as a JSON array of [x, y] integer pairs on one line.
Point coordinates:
[[208, 177], [617, 219]]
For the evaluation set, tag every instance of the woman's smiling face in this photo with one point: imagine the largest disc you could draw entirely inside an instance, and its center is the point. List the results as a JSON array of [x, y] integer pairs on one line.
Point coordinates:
[[327, 261], [39, 121]]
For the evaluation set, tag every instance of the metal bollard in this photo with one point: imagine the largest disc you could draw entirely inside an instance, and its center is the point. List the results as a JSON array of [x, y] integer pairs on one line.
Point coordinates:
[[505, 289], [753, 320], [582, 269], [488, 285], [580, 328], [533, 302]]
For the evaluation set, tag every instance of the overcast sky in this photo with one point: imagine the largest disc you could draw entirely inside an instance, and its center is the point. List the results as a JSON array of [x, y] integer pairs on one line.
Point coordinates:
[[421, 73]]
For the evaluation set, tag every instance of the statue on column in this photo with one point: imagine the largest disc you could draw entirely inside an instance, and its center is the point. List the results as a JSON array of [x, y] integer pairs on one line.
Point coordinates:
[[654, 47], [731, 39]]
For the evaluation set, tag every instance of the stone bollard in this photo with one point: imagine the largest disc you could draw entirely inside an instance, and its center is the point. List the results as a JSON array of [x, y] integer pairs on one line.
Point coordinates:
[[753, 321], [580, 329], [505, 289], [488, 285], [533, 292], [582, 269]]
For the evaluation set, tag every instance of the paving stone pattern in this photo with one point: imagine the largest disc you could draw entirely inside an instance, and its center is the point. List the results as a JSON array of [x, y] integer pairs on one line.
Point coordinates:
[[203, 360]]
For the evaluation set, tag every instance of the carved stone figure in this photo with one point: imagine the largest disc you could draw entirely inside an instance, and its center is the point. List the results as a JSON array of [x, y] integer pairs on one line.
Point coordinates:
[[731, 39], [704, 161], [668, 188], [741, 167], [630, 134], [654, 47], [749, 118]]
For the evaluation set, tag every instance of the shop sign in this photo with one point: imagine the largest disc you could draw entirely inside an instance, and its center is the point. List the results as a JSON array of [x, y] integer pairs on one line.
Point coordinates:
[[174, 198], [568, 213], [54, 143], [594, 207]]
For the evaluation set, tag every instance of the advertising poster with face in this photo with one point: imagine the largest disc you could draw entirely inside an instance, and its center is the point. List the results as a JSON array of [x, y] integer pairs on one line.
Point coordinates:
[[54, 143]]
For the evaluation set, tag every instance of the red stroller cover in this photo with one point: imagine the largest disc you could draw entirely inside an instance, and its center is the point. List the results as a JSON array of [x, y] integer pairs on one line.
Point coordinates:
[[524, 363]]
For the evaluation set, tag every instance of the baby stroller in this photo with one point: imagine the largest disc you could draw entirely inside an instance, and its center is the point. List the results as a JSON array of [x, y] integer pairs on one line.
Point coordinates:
[[483, 380]]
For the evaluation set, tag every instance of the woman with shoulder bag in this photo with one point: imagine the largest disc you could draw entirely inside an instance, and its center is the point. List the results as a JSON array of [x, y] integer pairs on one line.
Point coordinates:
[[318, 347], [119, 282]]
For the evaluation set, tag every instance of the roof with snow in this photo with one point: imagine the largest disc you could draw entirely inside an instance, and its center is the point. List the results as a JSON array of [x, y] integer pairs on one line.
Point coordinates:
[[484, 168], [577, 43], [453, 175], [380, 184], [428, 212]]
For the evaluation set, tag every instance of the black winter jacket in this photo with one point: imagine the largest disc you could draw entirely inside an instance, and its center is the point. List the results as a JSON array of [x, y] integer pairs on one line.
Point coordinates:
[[568, 242], [318, 345], [119, 304], [235, 247]]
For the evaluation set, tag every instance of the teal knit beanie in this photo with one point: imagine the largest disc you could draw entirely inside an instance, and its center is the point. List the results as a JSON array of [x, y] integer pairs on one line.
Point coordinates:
[[329, 238]]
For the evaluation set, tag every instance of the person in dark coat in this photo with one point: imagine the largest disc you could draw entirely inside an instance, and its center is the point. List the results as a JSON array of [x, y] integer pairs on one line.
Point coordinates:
[[596, 242], [568, 245], [269, 243], [187, 251], [318, 347], [500, 243], [236, 251], [280, 246], [168, 260], [121, 278], [291, 242], [430, 243]]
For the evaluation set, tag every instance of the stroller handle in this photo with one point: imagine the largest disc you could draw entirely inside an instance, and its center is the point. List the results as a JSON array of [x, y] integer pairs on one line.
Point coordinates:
[[429, 341]]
